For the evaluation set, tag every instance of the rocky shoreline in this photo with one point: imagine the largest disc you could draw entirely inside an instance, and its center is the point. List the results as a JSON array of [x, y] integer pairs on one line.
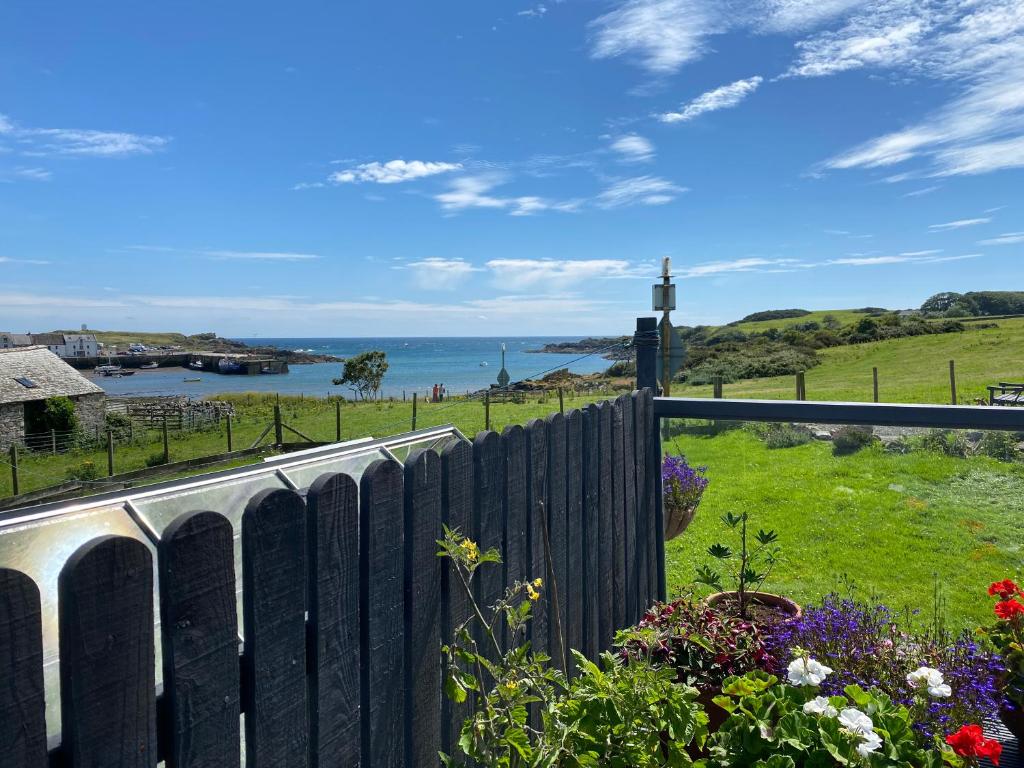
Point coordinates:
[[622, 349]]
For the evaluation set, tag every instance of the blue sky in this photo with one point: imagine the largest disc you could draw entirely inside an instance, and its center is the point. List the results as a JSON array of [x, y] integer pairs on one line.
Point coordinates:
[[482, 168]]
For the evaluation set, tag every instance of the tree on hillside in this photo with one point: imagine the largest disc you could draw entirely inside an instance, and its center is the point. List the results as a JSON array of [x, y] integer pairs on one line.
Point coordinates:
[[364, 373], [940, 302]]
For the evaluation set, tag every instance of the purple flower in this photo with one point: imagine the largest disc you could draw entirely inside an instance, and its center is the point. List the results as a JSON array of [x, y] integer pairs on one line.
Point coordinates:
[[682, 484]]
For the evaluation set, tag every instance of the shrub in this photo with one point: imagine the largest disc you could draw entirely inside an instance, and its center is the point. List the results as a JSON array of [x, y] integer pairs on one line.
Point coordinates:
[[155, 459], [847, 440], [87, 470], [621, 368], [119, 423], [999, 445], [949, 442], [867, 645], [786, 436], [774, 314]]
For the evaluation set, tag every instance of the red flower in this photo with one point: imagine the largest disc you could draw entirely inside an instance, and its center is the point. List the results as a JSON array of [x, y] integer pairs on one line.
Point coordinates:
[[1007, 609], [970, 742], [1005, 589]]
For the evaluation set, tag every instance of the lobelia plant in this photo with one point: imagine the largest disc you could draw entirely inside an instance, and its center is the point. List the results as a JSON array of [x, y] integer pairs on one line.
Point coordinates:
[[625, 712], [682, 487], [947, 682], [749, 568]]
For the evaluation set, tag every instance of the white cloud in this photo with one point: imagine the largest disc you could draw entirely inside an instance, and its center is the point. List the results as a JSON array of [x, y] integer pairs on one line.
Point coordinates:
[[871, 261], [633, 148], [926, 252], [1008, 238], [747, 264], [518, 274], [799, 15], [9, 260], [662, 35], [723, 97], [392, 172], [33, 174], [474, 192], [536, 12], [38, 142], [437, 274], [958, 224], [923, 191], [639, 190]]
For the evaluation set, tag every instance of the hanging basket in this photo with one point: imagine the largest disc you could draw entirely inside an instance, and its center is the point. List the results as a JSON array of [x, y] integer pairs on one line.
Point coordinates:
[[678, 520]]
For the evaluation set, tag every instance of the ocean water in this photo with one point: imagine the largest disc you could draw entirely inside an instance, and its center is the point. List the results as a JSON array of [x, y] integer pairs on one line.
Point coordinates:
[[415, 365]]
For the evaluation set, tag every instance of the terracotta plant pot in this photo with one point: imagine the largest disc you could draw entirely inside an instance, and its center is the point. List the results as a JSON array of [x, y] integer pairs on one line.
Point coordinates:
[[1013, 719], [678, 520], [782, 605]]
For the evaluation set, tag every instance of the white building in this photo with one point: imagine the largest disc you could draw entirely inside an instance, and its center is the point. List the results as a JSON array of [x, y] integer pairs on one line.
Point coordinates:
[[68, 344]]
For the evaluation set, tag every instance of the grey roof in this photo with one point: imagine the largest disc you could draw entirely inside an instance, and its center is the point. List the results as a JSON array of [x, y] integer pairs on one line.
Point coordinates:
[[48, 339], [52, 376], [74, 338]]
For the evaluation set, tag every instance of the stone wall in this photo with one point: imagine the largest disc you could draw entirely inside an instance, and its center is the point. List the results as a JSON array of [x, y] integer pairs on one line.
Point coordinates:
[[12, 424], [92, 411]]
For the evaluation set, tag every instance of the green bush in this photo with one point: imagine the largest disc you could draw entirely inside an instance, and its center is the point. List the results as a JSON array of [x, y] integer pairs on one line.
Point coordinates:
[[948, 442], [786, 436], [999, 445], [120, 424], [847, 440], [155, 459], [87, 470]]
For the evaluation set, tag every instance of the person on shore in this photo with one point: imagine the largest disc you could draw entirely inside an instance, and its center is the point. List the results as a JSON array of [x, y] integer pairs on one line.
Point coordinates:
[[433, 397], [441, 393]]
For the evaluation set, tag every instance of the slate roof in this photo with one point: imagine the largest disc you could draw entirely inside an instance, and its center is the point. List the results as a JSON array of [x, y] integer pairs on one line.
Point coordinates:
[[51, 375], [48, 339]]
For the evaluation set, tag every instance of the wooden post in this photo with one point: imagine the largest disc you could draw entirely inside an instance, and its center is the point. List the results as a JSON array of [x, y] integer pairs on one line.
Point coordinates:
[[487, 410], [167, 447], [874, 381], [14, 469], [952, 382], [561, 401], [110, 453], [230, 441], [415, 395], [131, 431], [337, 421], [53, 442], [278, 430], [716, 384], [801, 390]]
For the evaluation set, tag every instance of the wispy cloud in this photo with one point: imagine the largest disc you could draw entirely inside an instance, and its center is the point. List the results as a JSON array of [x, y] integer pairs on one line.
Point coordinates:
[[923, 191], [519, 274], [958, 224], [926, 252], [746, 264], [723, 97], [1008, 238], [261, 256], [633, 148], [438, 274], [33, 174], [9, 260], [475, 192], [639, 190], [392, 172], [39, 142], [871, 261], [535, 12]]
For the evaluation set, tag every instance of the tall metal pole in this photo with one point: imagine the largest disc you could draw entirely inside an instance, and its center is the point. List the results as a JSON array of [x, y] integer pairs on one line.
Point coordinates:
[[666, 329]]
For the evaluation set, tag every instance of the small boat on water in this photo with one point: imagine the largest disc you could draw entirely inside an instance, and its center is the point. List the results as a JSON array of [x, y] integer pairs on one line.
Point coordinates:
[[190, 381], [196, 365], [149, 366], [108, 370], [227, 365], [483, 364], [126, 372]]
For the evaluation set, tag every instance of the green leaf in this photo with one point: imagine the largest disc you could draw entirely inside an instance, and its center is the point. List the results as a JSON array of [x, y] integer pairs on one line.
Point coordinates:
[[720, 551], [454, 689]]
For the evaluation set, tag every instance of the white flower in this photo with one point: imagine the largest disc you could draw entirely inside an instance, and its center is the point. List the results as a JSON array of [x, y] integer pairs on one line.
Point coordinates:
[[807, 672], [930, 679], [819, 705], [869, 743], [856, 721]]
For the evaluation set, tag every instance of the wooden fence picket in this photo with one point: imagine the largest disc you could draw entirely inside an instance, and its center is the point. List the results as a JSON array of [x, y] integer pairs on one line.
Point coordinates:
[[488, 502], [591, 584], [618, 520], [108, 699], [332, 534], [422, 608], [556, 559], [629, 508], [22, 706], [575, 586], [606, 525], [641, 514], [274, 625], [457, 513], [537, 486], [517, 542], [199, 623]]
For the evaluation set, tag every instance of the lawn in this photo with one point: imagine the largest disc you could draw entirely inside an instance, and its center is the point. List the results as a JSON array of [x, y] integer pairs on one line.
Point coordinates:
[[910, 370], [894, 524]]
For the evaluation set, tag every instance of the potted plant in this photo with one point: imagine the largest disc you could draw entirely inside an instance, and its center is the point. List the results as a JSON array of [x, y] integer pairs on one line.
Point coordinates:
[[749, 567], [682, 487], [1007, 635]]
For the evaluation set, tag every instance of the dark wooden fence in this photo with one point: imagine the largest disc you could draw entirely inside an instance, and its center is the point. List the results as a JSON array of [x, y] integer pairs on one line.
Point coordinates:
[[345, 604]]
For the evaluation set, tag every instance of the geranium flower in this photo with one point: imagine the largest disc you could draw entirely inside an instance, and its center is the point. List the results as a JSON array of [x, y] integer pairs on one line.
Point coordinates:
[[807, 672], [856, 721], [1005, 589], [819, 705], [970, 742], [1007, 609], [869, 743], [930, 679]]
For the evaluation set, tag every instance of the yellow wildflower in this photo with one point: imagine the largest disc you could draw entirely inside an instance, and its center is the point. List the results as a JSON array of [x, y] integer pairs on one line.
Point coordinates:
[[511, 686], [532, 593], [538, 582], [470, 550]]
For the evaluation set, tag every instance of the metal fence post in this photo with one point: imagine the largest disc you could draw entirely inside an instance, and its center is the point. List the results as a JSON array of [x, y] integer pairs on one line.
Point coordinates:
[[561, 401], [415, 396], [645, 341], [487, 410], [110, 453], [228, 423], [337, 419], [952, 382]]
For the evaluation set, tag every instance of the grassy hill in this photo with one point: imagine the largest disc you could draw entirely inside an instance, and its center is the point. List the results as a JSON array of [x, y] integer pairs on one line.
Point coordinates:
[[910, 370], [124, 338], [843, 316]]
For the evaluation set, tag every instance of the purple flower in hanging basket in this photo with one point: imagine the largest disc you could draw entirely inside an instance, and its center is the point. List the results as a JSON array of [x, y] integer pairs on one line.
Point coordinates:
[[682, 488]]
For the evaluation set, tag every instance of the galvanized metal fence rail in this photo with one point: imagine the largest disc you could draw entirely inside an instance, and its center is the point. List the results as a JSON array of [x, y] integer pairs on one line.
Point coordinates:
[[345, 604]]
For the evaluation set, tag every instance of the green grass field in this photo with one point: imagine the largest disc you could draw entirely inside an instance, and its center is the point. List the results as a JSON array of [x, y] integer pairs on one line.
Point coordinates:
[[844, 316]]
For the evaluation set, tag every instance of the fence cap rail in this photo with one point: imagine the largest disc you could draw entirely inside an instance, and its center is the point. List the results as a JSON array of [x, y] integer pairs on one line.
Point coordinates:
[[876, 414]]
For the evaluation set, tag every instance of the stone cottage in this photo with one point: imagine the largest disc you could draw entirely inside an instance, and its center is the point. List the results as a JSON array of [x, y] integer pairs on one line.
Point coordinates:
[[30, 375]]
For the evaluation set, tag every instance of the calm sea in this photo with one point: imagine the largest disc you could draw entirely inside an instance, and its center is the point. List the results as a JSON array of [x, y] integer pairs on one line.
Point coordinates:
[[416, 364]]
